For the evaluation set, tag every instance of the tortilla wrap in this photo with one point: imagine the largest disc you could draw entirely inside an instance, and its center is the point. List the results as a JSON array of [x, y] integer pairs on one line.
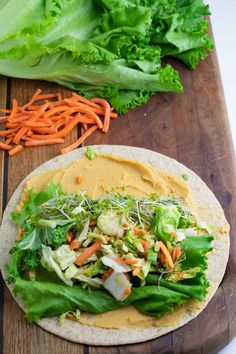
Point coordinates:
[[207, 206]]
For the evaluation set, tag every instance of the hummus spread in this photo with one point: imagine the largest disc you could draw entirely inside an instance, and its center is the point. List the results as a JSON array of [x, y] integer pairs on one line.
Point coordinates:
[[101, 175]]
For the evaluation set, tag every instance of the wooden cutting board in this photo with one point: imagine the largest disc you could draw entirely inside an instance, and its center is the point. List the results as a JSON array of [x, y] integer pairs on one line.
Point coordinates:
[[191, 127]]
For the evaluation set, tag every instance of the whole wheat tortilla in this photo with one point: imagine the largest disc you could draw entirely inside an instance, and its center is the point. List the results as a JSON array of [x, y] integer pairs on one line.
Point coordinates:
[[207, 206]]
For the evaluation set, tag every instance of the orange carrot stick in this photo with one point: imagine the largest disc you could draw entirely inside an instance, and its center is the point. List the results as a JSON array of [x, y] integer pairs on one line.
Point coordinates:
[[167, 255], [15, 150], [46, 130], [107, 109], [4, 146], [36, 124], [20, 119], [95, 107], [57, 103], [8, 132], [126, 261], [74, 245], [55, 110], [107, 273], [31, 101], [3, 119], [59, 97], [33, 108], [84, 109], [46, 96], [80, 140], [176, 253], [8, 141], [79, 98], [19, 134], [62, 133], [42, 109], [145, 245], [7, 111], [13, 125], [13, 110], [44, 142], [136, 271], [59, 124], [88, 252]]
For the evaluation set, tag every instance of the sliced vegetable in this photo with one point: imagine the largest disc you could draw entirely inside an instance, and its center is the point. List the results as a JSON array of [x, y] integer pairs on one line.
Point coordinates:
[[109, 222], [167, 255], [118, 285], [48, 262], [90, 153], [65, 256], [109, 261], [166, 221], [88, 253]]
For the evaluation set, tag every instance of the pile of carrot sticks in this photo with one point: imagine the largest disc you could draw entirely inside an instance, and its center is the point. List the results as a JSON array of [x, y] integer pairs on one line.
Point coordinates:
[[48, 118]]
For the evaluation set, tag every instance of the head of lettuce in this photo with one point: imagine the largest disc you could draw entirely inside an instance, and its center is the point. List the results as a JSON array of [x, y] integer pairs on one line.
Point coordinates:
[[112, 49]]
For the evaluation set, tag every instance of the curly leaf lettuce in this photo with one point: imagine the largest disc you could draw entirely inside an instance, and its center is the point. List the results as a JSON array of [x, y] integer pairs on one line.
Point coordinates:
[[97, 48], [151, 300]]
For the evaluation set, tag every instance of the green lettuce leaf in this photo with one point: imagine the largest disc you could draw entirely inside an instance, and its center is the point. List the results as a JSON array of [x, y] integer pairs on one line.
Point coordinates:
[[151, 300], [165, 221], [98, 49], [196, 248], [196, 288]]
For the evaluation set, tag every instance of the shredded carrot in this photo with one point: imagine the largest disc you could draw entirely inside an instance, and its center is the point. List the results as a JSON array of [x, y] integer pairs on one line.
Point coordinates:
[[93, 223], [127, 291], [107, 274], [74, 245], [3, 110], [19, 134], [107, 109], [88, 252], [136, 271], [36, 124], [162, 258], [69, 237], [167, 255], [8, 141], [80, 140], [52, 119], [79, 98], [8, 132], [15, 150], [61, 133], [59, 97], [19, 119], [33, 142], [176, 253], [4, 146], [136, 230], [45, 97], [46, 130], [34, 97], [14, 110], [55, 110], [87, 110], [145, 245], [96, 108], [126, 261], [79, 179]]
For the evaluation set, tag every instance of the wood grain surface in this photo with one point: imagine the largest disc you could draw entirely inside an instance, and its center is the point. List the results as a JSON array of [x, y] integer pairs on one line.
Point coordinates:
[[191, 127]]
